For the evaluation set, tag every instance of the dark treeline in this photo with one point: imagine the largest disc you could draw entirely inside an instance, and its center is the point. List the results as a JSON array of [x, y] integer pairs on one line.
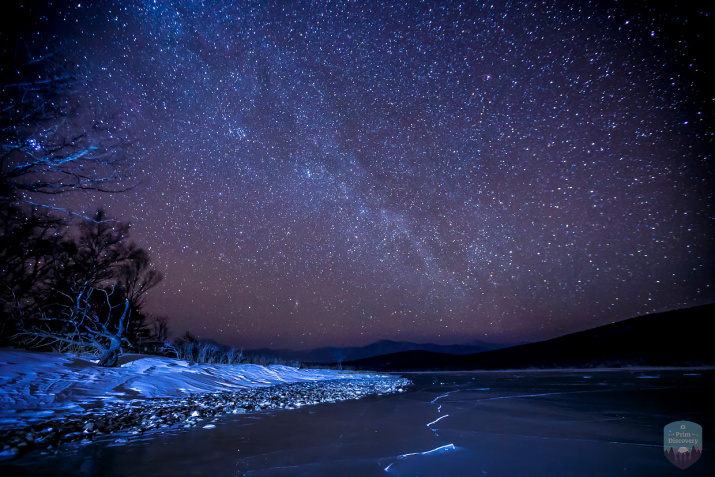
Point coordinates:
[[74, 284], [67, 282], [70, 282]]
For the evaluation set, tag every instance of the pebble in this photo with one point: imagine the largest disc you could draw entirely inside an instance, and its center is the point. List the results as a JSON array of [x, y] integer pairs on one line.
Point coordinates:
[[155, 415]]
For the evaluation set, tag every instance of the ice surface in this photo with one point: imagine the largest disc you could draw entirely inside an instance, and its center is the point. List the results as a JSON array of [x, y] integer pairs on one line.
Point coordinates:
[[490, 423]]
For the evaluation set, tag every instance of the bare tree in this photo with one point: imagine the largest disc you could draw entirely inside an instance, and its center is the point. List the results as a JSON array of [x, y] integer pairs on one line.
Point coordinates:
[[159, 329], [49, 143], [85, 325], [136, 276], [31, 247], [184, 348], [92, 286], [339, 355], [209, 353], [62, 282], [234, 356]]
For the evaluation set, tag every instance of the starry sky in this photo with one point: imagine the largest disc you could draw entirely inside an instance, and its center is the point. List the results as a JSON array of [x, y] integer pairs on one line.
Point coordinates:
[[318, 173]]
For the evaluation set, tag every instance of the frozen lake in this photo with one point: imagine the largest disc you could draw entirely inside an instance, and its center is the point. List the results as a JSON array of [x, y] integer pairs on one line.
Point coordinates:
[[513, 423]]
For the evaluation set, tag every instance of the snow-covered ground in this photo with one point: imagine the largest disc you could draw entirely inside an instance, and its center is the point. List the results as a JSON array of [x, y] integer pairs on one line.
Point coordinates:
[[36, 386]]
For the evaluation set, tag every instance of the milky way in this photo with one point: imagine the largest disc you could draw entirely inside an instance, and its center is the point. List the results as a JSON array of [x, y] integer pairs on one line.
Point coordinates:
[[333, 173]]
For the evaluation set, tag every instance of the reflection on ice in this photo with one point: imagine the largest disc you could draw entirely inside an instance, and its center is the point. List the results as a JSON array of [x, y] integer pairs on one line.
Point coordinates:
[[415, 459]]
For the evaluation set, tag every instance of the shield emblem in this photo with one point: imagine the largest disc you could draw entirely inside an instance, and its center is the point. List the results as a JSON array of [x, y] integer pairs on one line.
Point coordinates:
[[683, 443]]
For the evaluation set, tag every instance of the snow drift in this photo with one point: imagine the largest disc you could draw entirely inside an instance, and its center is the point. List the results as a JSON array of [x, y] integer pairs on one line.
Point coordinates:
[[46, 385]]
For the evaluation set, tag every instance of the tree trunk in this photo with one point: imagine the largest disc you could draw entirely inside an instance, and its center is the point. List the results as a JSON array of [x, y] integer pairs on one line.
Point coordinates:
[[110, 358]]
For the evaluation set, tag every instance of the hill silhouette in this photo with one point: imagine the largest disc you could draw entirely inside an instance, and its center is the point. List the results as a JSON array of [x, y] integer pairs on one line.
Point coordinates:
[[328, 355], [673, 338]]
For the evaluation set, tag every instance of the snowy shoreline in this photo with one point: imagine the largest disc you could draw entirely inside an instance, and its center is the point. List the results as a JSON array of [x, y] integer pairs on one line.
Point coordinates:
[[47, 399]]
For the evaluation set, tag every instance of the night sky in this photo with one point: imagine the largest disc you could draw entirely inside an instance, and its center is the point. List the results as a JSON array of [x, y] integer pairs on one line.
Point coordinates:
[[334, 173]]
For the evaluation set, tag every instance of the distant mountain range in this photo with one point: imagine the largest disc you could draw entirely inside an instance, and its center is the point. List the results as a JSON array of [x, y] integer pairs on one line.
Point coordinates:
[[674, 338], [330, 355]]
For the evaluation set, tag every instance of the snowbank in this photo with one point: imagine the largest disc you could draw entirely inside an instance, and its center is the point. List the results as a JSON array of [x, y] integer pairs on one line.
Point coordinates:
[[45, 385]]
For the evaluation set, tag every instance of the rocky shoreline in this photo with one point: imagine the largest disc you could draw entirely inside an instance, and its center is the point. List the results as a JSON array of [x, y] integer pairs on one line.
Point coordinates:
[[138, 417]]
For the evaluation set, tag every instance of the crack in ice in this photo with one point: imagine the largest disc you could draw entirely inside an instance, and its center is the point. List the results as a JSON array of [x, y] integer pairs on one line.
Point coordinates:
[[560, 392], [437, 420], [441, 396], [439, 410], [447, 447]]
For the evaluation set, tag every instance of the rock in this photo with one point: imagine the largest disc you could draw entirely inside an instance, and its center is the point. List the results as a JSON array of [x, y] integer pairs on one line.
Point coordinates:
[[9, 453], [71, 436], [140, 416]]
